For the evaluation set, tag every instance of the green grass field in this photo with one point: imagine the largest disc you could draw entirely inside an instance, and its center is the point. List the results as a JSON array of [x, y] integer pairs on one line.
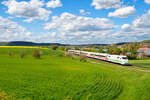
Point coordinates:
[[56, 77], [144, 62]]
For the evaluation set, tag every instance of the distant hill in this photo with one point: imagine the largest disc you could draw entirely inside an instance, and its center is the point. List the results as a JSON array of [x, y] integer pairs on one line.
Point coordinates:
[[26, 43], [122, 43], [91, 45]]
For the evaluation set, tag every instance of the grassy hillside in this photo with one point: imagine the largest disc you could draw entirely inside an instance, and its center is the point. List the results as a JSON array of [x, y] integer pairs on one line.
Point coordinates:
[[146, 41], [56, 77]]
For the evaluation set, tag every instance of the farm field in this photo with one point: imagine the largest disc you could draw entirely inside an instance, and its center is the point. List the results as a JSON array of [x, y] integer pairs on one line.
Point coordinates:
[[144, 62], [57, 77]]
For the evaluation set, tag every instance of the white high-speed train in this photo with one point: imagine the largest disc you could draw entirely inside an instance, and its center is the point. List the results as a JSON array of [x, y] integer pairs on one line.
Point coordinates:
[[103, 56]]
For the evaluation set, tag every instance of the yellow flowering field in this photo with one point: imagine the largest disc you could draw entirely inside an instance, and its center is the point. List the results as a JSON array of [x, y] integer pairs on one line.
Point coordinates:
[[22, 47]]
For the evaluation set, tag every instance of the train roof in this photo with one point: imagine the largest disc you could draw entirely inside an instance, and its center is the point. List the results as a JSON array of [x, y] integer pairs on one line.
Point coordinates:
[[96, 53], [117, 55]]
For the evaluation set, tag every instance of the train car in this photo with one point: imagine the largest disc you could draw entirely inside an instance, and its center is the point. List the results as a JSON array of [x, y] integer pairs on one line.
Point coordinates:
[[118, 59], [103, 56]]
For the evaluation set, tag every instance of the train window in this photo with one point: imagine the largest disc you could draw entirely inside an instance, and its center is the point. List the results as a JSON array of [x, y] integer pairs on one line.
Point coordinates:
[[92, 54], [124, 57]]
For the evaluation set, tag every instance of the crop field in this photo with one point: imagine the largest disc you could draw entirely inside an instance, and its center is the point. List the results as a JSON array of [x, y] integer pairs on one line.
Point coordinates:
[[145, 62], [57, 77]]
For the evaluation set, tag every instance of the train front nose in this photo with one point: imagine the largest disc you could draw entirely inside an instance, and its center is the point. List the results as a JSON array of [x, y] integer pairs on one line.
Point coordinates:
[[126, 61]]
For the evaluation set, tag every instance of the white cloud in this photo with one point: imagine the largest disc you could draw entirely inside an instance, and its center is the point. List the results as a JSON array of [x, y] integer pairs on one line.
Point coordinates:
[[107, 4], [9, 26], [87, 32], [28, 20], [30, 10], [123, 12], [141, 26], [54, 4], [70, 22], [70, 28], [138, 30], [147, 1], [132, 35], [83, 12], [10, 30], [142, 21], [126, 27]]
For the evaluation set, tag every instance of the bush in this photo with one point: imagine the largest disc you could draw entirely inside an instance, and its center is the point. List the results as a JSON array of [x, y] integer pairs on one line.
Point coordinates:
[[67, 48], [10, 53], [61, 48], [69, 54], [22, 54], [60, 55], [5, 96], [54, 47], [36, 53], [83, 58]]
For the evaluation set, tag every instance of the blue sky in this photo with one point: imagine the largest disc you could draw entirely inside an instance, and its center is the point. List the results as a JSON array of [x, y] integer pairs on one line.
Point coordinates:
[[75, 21]]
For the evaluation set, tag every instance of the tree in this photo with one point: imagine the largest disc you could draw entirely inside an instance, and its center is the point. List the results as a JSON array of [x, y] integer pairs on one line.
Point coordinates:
[[132, 56], [10, 53], [101, 50], [22, 54], [124, 51], [96, 47], [116, 51], [110, 50], [36, 53], [77, 48], [93, 50]]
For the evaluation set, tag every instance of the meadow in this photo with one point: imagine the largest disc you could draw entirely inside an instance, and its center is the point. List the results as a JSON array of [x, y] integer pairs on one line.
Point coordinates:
[[58, 77], [143, 62]]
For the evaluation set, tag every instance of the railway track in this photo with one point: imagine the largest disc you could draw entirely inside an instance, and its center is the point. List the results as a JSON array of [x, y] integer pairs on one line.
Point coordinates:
[[129, 65], [139, 66]]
